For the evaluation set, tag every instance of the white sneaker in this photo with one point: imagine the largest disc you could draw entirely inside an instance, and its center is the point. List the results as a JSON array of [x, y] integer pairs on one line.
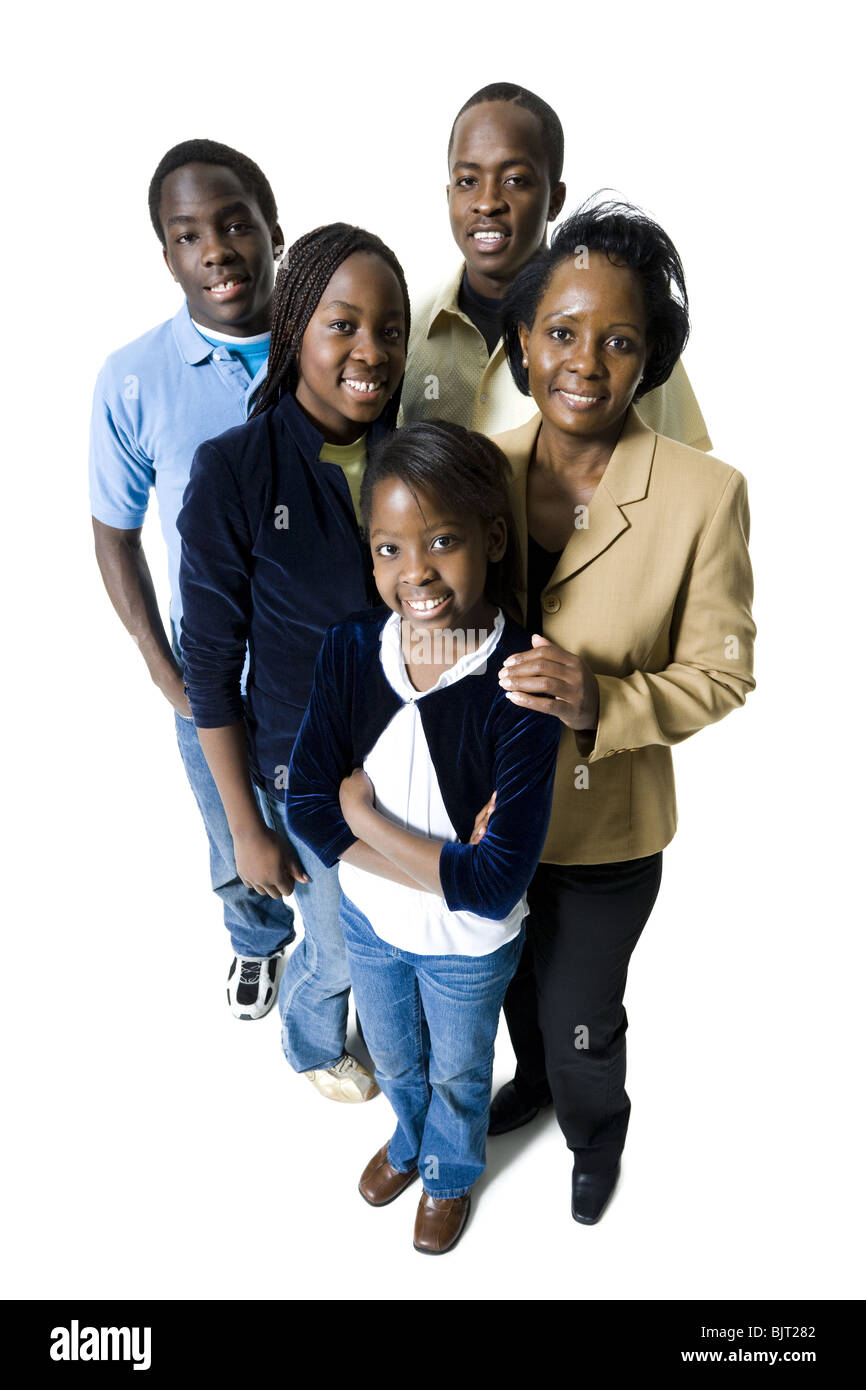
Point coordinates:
[[252, 985], [347, 1080]]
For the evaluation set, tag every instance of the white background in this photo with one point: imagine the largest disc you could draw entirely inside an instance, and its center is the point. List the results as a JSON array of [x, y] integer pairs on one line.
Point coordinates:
[[155, 1146]]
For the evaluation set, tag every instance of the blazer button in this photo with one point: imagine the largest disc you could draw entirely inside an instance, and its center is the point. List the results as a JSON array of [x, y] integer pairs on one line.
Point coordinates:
[[551, 604]]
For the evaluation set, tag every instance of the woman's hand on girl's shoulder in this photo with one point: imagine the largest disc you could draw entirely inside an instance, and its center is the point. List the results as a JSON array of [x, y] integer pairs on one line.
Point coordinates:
[[552, 681]]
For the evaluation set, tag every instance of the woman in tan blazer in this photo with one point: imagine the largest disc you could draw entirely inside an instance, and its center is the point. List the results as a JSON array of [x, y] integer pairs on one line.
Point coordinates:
[[638, 591]]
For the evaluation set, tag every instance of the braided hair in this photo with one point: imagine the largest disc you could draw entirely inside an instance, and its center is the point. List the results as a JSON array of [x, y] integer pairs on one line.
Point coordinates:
[[301, 281]]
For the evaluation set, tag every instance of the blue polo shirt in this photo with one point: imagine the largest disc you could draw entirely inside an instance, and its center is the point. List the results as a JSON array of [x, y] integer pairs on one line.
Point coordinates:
[[156, 401]]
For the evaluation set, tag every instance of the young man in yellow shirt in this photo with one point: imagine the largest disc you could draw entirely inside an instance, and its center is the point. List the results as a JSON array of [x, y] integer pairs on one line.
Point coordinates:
[[505, 159]]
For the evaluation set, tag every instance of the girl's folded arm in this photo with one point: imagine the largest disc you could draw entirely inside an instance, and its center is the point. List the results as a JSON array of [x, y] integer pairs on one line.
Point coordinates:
[[489, 878], [321, 759], [413, 859], [363, 856]]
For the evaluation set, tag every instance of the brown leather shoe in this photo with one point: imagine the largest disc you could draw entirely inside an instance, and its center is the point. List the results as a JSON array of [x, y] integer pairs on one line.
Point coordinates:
[[439, 1223], [380, 1183]]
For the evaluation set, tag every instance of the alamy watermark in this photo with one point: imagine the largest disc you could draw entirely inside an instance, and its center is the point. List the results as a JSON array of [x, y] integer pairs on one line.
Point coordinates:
[[75, 1343], [446, 646]]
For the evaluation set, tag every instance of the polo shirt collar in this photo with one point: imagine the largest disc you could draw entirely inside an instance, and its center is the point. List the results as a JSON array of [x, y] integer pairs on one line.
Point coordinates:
[[192, 347]]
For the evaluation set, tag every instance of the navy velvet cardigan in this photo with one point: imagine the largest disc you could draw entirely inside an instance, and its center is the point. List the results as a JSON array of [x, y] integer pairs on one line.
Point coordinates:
[[271, 555], [478, 740]]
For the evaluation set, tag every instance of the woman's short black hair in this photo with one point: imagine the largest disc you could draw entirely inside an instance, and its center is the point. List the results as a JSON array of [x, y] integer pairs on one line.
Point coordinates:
[[630, 238], [461, 469], [551, 126], [211, 152]]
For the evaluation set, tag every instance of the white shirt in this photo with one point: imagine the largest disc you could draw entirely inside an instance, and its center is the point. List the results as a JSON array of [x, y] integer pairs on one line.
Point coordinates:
[[407, 792]]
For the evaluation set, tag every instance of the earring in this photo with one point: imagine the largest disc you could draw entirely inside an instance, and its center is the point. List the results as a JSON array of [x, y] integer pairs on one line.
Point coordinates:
[[526, 361]]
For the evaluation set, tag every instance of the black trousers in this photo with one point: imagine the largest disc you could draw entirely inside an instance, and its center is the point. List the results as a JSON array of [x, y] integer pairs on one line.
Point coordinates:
[[564, 1007]]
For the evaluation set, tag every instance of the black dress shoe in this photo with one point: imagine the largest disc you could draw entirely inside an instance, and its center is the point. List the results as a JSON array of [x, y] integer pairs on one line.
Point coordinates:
[[591, 1192], [509, 1110]]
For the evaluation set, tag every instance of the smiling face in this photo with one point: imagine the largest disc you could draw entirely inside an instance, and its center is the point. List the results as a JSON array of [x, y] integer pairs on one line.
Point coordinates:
[[500, 198], [219, 248], [430, 558], [587, 347], [353, 352]]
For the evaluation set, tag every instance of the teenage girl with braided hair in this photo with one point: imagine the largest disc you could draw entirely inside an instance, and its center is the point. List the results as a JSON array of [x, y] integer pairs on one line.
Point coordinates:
[[272, 555]]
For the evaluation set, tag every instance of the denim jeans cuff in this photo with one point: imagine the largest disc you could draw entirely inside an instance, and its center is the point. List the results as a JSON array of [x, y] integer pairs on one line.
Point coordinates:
[[249, 954], [320, 1066], [446, 1193], [397, 1169]]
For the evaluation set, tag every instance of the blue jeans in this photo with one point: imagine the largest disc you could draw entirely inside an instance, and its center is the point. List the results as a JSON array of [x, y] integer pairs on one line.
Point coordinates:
[[314, 990], [430, 1024], [258, 926]]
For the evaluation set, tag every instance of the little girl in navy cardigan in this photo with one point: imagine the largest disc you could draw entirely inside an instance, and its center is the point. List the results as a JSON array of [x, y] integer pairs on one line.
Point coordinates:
[[406, 735]]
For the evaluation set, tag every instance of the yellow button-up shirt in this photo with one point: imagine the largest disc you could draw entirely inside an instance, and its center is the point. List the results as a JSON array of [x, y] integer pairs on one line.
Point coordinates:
[[449, 376]]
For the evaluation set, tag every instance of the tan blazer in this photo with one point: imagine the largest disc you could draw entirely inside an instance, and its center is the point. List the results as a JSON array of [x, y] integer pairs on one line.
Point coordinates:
[[654, 591]]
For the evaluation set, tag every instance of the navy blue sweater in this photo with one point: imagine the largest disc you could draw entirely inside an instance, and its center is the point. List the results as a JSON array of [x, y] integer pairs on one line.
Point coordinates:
[[478, 740], [271, 556]]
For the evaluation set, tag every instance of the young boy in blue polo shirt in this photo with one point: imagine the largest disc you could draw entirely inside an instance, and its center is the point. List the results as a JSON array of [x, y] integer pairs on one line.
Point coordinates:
[[156, 400]]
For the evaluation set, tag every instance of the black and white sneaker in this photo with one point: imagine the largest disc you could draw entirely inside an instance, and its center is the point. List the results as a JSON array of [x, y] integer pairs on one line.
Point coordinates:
[[252, 985]]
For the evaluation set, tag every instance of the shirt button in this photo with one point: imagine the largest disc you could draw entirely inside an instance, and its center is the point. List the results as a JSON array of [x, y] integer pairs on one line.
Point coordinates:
[[551, 604], [483, 397]]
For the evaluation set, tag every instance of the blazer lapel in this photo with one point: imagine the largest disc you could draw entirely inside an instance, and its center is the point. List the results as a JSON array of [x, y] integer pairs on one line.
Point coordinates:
[[604, 523], [519, 446], [625, 480]]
